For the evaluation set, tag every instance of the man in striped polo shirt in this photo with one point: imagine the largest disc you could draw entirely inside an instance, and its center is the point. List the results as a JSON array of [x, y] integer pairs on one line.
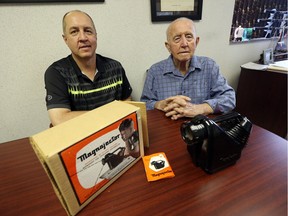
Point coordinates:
[[83, 80]]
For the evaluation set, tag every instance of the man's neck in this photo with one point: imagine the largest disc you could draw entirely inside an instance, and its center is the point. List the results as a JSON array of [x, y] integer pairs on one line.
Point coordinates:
[[86, 65], [182, 66]]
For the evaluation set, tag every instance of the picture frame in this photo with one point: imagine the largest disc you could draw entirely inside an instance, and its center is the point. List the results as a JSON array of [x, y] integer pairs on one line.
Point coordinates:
[[47, 1], [169, 10]]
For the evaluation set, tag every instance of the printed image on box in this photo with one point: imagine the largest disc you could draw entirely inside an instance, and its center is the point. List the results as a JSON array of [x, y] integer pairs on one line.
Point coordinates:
[[94, 161]]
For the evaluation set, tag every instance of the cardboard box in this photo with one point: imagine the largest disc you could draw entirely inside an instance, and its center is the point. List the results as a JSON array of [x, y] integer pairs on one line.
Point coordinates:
[[143, 111], [85, 155]]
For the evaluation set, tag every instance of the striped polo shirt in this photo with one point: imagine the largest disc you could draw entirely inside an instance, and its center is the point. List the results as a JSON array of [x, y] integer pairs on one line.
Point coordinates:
[[67, 87]]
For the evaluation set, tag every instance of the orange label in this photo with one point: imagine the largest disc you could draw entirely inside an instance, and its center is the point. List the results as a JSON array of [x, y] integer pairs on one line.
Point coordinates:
[[157, 167]]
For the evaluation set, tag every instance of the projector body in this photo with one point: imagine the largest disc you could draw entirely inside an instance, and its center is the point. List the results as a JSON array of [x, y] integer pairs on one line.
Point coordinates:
[[215, 144]]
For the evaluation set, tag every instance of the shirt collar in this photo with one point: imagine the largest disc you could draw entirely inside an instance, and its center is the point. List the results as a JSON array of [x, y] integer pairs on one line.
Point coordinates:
[[195, 62], [78, 72], [75, 66], [170, 67]]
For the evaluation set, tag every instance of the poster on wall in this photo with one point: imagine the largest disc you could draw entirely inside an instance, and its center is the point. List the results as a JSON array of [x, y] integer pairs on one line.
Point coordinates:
[[259, 19]]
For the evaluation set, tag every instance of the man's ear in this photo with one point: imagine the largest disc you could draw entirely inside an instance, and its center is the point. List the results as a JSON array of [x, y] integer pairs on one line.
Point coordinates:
[[167, 47], [197, 40], [64, 38]]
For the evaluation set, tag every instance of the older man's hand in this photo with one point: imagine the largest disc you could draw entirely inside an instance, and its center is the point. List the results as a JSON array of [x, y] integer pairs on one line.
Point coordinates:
[[190, 110]]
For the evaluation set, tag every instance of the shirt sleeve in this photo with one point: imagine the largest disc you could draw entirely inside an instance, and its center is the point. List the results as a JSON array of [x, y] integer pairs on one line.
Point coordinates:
[[222, 96], [56, 89], [148, 95], [126, 87]]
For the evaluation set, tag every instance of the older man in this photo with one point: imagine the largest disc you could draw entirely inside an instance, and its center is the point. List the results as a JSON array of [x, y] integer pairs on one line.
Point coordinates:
[[185, 85]]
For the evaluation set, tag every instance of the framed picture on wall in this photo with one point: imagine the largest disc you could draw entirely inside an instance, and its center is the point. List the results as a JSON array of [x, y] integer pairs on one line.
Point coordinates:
[[47, 1], [169, 10]]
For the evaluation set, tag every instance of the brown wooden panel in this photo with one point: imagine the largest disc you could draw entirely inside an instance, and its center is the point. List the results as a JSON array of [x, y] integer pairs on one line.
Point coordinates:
[[262, 97]]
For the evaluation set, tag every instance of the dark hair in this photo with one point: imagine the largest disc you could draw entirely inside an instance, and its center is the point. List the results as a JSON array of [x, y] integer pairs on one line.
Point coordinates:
[[125, 124]]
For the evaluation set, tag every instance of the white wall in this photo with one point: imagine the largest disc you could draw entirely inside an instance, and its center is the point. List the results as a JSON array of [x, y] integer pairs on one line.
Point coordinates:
[[30, 40]]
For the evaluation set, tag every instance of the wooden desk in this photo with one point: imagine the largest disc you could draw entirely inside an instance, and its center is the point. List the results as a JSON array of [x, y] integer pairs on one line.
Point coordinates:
[[256, 185]]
